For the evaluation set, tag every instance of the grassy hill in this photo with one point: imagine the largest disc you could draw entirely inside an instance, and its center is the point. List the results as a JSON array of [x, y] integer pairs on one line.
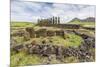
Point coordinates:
[[85, 24], [21, 24]]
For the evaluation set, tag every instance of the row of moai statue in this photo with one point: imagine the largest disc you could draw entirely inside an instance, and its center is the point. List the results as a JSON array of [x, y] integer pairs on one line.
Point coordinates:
[[53, 20]]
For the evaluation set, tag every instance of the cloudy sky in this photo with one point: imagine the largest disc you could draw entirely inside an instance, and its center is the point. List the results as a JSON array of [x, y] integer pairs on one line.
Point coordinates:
[[31, 11]]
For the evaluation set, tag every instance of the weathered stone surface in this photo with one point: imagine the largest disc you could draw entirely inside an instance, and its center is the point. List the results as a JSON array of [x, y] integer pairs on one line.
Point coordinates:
[[50, 33], [13, 42], [26, 36], [18, 48], [41, 33], [18, 33], [82, 52], [31, 31]]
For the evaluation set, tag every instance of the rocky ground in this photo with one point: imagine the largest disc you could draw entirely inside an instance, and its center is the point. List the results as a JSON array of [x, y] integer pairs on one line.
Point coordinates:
[[83, 53]]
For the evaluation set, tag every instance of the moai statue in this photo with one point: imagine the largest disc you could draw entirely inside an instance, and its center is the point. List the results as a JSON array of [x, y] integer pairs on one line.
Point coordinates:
[[53, 19], [58, 20], [38, 21], [50, 20]]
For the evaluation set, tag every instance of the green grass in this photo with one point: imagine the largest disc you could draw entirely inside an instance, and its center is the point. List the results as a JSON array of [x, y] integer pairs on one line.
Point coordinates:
[[71, 59], [22, 24], [22, 59], [85, 24], [70, 40], [19, 39], [73, 40]]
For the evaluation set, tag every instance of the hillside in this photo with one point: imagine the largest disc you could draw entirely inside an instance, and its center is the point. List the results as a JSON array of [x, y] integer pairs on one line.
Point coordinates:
[[89, 19], [87, 22]]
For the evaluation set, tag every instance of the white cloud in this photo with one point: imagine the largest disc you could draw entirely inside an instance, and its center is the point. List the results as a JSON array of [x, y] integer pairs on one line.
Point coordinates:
[[31, 11]]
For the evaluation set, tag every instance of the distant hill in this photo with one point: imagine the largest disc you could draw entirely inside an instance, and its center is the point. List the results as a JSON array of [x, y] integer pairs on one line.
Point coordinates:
[[89, 19]]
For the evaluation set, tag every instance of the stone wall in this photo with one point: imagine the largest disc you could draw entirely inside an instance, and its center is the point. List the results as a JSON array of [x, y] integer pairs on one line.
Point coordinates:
[[31, 31], [18, 33], [44, 32], [68, 26], [89, 28], [83, 52]]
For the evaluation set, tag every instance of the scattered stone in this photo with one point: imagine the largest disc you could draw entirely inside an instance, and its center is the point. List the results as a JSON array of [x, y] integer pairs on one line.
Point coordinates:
[[82, 52]]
